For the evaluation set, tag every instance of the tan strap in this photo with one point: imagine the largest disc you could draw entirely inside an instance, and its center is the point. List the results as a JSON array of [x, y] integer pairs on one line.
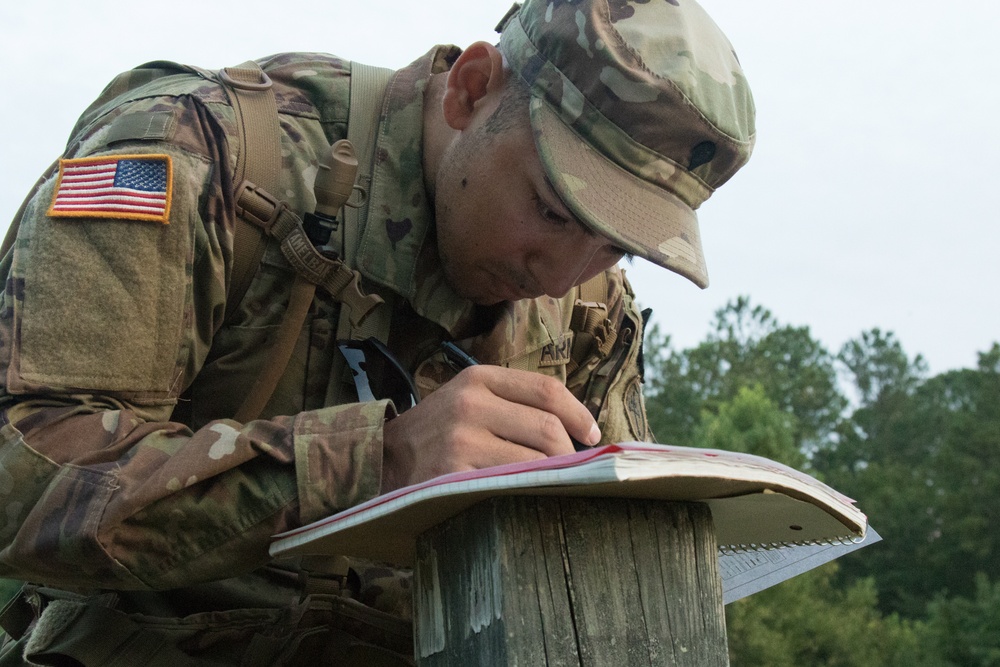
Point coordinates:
[[260, 215], [312, 269], [368, 90], [594, 290], [330, 273], [368, 86], [592, 331], [281, 351], [258, 160]]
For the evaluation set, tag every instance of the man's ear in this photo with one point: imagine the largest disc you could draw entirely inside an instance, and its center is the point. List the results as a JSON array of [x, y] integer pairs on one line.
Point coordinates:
[[473, 82]]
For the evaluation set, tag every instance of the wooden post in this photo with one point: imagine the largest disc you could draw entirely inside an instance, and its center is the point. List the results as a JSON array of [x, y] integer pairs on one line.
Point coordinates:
[[570, 581]]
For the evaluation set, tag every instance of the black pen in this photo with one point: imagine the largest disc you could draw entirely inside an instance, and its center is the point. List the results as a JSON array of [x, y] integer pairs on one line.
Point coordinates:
[[460, 359]]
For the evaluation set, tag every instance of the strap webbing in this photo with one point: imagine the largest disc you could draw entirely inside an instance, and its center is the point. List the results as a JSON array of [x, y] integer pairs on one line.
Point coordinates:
[[368, 87], [281, 351], [261, 216], [593, 333], [258, 160], [276, 220], [312, 268]]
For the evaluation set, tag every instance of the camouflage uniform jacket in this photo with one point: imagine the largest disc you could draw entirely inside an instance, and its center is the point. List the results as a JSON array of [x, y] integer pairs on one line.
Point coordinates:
[[119, 466]]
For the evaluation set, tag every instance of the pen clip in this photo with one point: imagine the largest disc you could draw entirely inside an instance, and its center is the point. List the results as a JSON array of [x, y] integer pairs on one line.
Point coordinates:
[[457, 357]]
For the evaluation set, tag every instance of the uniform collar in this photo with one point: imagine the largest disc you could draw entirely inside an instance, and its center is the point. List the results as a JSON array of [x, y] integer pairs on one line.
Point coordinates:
[[398, 247]]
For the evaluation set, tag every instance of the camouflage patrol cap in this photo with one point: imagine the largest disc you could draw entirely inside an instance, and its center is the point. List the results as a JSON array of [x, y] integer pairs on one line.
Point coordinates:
[[640, 110]]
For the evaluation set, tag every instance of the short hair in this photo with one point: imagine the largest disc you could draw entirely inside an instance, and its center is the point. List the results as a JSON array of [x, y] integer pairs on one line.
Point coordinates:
[[513, 107]]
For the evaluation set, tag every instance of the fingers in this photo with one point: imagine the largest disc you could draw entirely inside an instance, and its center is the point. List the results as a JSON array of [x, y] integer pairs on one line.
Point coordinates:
[[485, 416], [431, 439], [534, 410]]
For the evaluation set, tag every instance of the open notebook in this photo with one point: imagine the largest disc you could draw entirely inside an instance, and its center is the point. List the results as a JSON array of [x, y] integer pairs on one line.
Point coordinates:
[[757, 505]]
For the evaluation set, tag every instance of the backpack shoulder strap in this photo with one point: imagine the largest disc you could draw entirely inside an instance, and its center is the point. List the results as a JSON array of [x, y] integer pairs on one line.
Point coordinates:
[[593, 332], [258, 161], [258, 167], [368, 87]]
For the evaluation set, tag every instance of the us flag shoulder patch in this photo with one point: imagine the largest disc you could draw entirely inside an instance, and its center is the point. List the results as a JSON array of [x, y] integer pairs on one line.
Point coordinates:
[[126, 187]]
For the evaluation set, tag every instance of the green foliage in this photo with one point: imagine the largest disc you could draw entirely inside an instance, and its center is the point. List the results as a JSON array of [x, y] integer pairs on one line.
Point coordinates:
[[879, 366], [751, 423], [808, 620], [924, 457], [965, 632], [747, 348], [673, 407], [921, 454]]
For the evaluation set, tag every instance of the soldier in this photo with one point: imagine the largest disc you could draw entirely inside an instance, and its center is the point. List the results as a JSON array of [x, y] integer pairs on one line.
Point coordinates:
[[506, 182]]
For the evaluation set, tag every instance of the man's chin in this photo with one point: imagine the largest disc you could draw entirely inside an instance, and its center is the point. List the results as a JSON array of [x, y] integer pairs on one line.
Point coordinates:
[[504, 295], [489, 292], [480, 297], [481, 294], [488, 300]]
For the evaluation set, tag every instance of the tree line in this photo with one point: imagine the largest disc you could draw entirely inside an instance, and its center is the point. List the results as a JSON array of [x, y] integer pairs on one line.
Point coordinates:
[[920, 454]]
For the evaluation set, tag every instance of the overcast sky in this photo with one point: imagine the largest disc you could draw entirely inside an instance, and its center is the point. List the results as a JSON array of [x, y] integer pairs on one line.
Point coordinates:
[[870, 200]]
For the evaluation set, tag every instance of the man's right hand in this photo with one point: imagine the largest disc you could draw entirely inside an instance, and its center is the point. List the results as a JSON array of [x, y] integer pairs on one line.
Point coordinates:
[[485, 416]]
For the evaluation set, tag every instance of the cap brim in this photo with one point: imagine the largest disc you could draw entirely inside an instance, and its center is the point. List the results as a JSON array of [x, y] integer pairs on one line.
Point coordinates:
[[640, 217]]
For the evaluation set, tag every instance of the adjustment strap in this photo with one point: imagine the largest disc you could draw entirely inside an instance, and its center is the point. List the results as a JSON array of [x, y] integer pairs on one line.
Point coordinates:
[[280, 353], [368, 90], [593, 331], [331, 274]]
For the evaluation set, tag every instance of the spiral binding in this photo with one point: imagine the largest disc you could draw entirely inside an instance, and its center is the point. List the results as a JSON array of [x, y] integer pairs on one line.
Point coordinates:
[[733, 549]]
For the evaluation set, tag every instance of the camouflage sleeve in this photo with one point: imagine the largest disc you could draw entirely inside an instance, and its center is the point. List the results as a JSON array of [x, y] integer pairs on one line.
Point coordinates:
[[104, 320], [607, 359]]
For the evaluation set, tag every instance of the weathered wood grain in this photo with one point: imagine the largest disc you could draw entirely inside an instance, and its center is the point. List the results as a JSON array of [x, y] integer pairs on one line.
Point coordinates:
[[571, 582]]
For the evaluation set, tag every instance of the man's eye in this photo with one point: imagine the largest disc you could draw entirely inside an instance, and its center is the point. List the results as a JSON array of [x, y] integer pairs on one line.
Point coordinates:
[[549, 214]]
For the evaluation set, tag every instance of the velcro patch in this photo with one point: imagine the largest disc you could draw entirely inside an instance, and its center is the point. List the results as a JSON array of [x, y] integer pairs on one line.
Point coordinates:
[[125, 187], [557, 353]]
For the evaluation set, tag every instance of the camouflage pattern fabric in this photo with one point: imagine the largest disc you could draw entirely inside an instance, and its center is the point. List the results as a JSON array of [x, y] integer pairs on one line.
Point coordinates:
[[641, 110], [119, 467]]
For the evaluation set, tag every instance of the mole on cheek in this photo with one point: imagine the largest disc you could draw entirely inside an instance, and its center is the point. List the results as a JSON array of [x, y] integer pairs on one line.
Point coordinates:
[[465, 182]]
